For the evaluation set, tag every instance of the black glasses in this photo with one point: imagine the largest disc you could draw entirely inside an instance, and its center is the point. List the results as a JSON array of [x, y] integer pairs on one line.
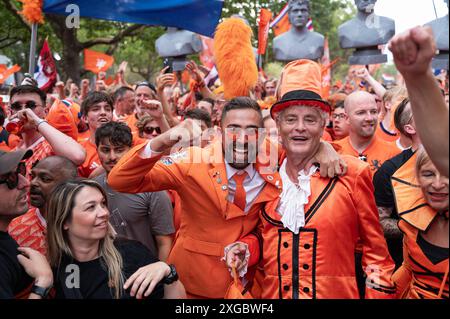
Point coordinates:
[[17, 106], [150, 130], [12, 179]]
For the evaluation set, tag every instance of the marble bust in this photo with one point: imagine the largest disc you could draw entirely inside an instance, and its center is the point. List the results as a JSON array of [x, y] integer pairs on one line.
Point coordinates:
[[177, 43], [365, 33], [440, 29], [299, 42]]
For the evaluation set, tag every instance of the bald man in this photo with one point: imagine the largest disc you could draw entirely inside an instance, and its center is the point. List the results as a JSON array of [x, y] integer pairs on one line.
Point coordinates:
[[362, 142], [29, 230]]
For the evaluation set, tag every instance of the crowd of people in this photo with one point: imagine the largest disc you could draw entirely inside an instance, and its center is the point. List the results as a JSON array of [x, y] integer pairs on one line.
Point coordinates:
[[171, 191]]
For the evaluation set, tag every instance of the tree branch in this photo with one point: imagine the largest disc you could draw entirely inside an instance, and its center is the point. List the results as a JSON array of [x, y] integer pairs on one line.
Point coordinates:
[[11, 7], [13, 41], [117, 38]]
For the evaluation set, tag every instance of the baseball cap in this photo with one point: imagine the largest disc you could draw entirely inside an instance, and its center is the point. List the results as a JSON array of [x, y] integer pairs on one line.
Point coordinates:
[[10, 160]]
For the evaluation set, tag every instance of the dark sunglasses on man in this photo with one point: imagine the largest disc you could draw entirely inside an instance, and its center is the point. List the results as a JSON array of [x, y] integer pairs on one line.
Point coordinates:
[[11, 165], [18, 106], [150, 130], [12, 179]]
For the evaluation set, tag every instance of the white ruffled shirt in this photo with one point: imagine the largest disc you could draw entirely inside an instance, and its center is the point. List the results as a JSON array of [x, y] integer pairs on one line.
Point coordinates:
[[294, 198]]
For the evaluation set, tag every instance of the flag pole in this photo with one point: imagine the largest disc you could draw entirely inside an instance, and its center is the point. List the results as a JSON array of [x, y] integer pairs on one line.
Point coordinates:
[[32, 61]]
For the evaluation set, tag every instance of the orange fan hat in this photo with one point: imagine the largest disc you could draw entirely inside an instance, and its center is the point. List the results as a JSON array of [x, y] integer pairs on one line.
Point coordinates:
[[300, 84], [62, 118]]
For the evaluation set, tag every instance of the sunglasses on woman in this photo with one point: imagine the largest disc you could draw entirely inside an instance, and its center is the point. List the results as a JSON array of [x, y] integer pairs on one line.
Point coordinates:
[[150, 130], [18, 106], [12, 179]]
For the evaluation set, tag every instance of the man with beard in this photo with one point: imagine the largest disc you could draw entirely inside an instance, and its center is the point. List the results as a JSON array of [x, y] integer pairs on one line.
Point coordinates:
[[362, 142], [29, 229], [222, 188]]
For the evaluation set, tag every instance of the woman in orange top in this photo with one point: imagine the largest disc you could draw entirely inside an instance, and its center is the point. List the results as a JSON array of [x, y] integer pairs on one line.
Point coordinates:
[[424, 221]]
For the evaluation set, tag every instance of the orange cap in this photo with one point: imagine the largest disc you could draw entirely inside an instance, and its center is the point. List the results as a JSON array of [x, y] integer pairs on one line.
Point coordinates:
[[61, 117]]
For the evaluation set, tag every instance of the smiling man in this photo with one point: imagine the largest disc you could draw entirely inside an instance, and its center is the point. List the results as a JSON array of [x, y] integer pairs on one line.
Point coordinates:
[[97, 110], [362, 142], [222, 187]]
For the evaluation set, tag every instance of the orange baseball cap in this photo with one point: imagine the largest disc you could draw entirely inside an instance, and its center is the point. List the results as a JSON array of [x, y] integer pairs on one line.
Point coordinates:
[[300, 84]]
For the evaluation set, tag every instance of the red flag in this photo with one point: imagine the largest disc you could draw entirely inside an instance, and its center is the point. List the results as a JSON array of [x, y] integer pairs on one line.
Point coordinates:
[[263, 34], [46, 74], [97, 62], [5, 73], [207, 54]]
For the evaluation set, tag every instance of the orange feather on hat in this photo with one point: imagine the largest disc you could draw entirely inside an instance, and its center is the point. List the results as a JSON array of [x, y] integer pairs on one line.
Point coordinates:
[[235, 59]]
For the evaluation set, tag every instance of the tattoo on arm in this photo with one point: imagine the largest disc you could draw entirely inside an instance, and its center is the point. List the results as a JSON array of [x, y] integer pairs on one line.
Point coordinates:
[[390, 225]]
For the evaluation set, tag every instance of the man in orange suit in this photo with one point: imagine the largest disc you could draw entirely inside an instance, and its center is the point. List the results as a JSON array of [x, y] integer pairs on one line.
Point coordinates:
[[222, 187], [310, 232]]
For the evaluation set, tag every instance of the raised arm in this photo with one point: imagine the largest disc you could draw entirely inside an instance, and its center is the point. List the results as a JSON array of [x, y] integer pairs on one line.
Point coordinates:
[[413, 52]]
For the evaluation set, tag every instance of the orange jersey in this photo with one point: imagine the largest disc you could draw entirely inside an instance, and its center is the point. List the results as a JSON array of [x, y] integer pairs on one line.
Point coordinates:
[[29, 231], [131, 121], [92, 161], [420, 277], [375, 155], [382, 133], [209, 222], [82, 137], [327, 136], [319, 262]]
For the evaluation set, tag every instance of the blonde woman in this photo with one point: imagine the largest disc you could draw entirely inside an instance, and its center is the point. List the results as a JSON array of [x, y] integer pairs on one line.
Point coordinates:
[[424, 221], [89, 262], [148, 128]]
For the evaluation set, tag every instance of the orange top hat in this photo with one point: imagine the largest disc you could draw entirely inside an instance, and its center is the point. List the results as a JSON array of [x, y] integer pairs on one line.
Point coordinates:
[[300, 84]]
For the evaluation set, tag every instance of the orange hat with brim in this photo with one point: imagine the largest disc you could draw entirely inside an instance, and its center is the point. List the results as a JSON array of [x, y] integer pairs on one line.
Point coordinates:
[[300, 84]]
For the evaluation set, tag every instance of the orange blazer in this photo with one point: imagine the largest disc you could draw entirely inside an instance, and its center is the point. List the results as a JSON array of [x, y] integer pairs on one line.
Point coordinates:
[[419, 277], [208, 221], [319, 262]]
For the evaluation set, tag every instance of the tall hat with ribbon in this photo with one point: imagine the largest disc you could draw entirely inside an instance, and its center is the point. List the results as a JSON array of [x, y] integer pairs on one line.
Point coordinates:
[[300, 85]]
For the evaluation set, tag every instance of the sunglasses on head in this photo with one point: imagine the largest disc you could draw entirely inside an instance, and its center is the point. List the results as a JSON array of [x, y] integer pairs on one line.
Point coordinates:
[[12, 179], [150, 130], [17, 106]]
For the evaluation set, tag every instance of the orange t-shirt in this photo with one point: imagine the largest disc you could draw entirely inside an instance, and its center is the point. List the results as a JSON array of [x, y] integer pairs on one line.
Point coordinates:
[[29, 231], [84, 136], [376, 154], [382, 133], [327, 137], [92, 161], [41, 149], [131, 121]]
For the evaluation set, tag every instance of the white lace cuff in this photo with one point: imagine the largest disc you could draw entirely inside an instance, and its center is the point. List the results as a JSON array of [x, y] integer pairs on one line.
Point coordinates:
[[244, 270]]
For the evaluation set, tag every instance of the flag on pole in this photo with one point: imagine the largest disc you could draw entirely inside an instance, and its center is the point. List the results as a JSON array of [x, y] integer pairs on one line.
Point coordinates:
[[97, 62], [326, 71], [263, 34], [207, 54], [5, 73], [281, 23], [45, 73]]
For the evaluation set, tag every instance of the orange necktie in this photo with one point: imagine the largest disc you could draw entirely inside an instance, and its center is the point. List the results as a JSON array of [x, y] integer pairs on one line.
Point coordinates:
[[240, 196]]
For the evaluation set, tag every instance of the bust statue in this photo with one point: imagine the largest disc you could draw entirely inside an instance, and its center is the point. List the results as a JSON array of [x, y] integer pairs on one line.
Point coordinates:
[[365, 33], [440, 30], [299, 42], [177, 43]]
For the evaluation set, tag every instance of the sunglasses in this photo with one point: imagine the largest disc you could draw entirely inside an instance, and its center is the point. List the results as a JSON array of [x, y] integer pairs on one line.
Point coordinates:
[[12, 179], [150, 130], [17, 106]]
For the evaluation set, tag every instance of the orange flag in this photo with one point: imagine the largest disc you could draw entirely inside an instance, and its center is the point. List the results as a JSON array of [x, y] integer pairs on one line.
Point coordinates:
[[96, 61], [263, 33], [6, 73]]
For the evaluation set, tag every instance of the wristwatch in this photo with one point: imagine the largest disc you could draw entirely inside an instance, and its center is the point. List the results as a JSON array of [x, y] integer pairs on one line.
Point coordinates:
[[172, 277], [43, 292]]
